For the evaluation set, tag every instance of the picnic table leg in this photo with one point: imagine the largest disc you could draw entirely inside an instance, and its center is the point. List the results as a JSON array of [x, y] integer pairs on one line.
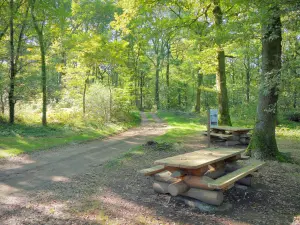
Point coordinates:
[[207, 196], [160, 187]]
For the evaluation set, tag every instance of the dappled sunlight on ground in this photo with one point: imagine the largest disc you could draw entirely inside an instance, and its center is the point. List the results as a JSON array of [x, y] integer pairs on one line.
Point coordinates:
[[60, 179]]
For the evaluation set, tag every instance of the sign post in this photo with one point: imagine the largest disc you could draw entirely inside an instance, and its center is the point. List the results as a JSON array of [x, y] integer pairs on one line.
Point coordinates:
[[208, 128], [212, 117], [213, 114]]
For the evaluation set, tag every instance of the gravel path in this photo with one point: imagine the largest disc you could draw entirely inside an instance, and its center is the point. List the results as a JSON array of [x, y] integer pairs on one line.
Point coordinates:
[[27, 181]]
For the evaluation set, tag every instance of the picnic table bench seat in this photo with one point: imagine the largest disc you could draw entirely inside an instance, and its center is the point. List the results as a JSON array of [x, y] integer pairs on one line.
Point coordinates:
[[152, 170], [230, 178]]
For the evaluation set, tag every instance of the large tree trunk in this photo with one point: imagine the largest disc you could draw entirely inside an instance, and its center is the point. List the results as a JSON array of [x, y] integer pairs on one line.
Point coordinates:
[[263, 143], [198, 95], [224, 117], [11, 98]]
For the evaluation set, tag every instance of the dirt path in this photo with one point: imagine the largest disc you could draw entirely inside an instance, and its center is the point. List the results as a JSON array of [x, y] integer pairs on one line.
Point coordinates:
[[24, 176]]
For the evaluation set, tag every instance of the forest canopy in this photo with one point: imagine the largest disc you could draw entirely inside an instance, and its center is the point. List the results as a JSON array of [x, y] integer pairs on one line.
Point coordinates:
[[100, 59]]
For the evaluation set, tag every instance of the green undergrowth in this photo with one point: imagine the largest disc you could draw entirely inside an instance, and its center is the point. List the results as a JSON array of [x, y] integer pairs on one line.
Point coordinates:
[[27, 137]]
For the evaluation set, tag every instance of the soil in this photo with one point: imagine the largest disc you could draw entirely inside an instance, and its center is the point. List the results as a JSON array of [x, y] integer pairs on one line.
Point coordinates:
[[76, 185]]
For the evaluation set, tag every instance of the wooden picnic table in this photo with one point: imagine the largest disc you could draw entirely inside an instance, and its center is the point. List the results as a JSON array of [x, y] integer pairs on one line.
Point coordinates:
[[232, 135], [230, 130], [199, 159], [202, 174]]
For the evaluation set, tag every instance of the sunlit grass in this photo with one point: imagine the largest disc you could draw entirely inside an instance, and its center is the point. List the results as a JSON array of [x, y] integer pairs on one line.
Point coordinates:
[[25, 137], [180, 126]]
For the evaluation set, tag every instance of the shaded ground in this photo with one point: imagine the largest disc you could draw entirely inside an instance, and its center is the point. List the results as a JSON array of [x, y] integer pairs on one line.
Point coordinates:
[[76, 186]]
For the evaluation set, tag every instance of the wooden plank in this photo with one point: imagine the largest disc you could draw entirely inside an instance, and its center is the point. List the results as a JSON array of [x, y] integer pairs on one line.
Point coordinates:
[[152, 170], [198, 159], [229, 179], [232, 129]]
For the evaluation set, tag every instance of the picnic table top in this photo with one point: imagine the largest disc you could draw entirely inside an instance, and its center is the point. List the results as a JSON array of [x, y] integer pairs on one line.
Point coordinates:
[[198, 159], [233, 129]]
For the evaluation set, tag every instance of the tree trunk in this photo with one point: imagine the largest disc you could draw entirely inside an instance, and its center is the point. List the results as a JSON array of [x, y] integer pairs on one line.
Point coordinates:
[[198, 96], [247, 68], [224, 117], [263, 142], [2, 104], [40, 34], [295, 98], [168, 75], [141, 90], [44, 79], [179, 97], [157, 82], [84, 95], [11, 97], [248, 85]]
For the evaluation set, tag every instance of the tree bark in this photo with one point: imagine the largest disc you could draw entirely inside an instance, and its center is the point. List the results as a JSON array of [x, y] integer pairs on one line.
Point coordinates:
[[44, 79], [224, 117], [198, 95], [263, 143], [11, 97]]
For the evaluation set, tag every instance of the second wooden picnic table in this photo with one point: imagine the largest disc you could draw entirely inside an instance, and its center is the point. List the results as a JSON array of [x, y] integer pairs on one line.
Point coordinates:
[[236, 135]]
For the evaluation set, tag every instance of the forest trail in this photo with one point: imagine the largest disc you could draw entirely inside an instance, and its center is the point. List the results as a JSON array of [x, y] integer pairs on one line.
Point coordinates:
[[22, 176]]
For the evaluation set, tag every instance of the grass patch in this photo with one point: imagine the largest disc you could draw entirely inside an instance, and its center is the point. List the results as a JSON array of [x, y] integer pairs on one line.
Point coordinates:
[[181, 125], [149, 117], [23, 137]]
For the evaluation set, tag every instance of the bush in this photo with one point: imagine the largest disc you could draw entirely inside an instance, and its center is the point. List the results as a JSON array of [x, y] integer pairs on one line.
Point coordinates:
[[105, 105], [293, 116]]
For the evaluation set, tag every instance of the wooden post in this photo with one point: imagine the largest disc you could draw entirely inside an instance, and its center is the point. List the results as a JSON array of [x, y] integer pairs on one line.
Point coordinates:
[[208, 128]]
